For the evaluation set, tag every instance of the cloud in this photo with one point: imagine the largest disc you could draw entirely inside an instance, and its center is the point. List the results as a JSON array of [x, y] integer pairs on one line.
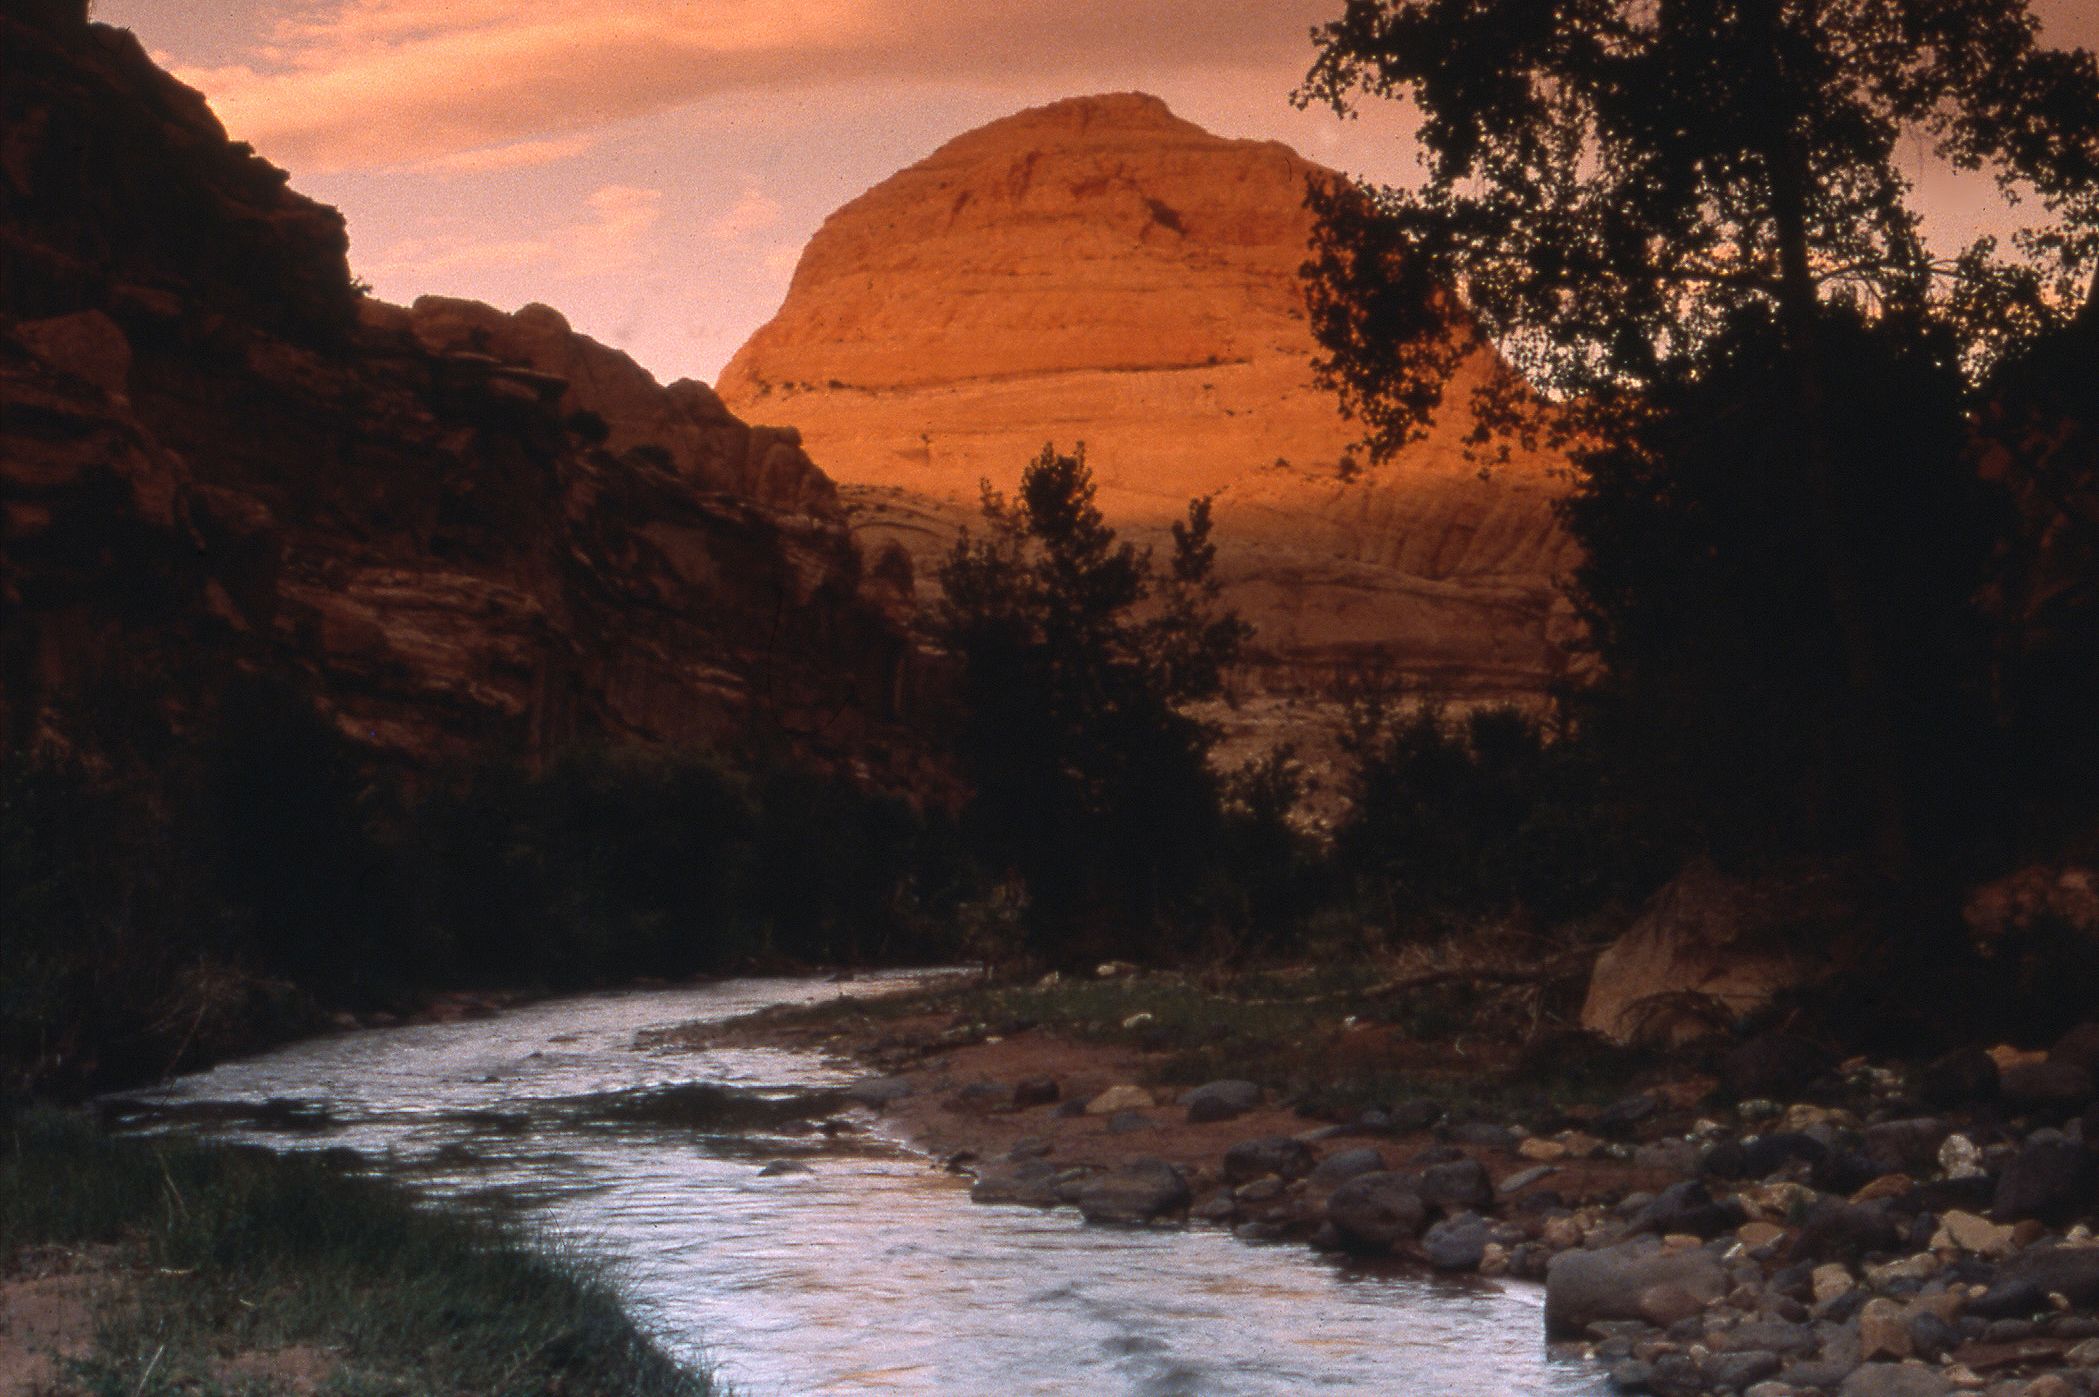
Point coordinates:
[[517, 155], [374, 83], [755, 212], [614, 234]]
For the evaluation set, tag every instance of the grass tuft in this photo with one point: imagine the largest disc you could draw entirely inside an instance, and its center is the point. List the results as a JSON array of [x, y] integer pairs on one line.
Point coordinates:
[[240, 1250]]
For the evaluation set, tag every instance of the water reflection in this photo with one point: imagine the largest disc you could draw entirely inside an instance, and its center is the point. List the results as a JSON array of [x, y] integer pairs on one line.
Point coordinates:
[[869, 1272]]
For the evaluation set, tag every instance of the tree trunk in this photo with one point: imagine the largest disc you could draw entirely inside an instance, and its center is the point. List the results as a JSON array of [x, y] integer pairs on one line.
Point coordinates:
[[1869, 754]]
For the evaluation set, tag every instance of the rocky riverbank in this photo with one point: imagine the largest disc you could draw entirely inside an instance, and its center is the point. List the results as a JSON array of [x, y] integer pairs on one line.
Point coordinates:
[[1782, 1226]]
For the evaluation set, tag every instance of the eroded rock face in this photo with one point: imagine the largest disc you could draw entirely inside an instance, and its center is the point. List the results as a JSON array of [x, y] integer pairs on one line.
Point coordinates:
[[1100, 270], [456, 533]]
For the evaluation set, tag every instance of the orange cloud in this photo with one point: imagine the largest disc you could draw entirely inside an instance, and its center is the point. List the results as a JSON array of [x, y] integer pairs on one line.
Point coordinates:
[[613, 236], [518, 155], [373, 83]]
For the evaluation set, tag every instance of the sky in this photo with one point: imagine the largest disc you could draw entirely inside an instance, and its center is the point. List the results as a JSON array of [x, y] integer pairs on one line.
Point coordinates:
[[652, 168]]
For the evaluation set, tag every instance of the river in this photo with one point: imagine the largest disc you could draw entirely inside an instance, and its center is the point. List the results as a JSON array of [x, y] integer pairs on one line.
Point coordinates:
[[870, 1272]]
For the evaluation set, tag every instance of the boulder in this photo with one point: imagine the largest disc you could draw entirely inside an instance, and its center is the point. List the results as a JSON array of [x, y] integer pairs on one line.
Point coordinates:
[[876, 1092], [1631, 1281], [1221, 1101], [1685, 1207], [1373, 1211], [1271, 1154], [2052, 1180], [1709, 948], [1119, 1098], [2025, 1282], [1457, 1186], [2046, 1086], [1456, 1243], [1342, 1165], [1029, 1181], [1140, 1192]]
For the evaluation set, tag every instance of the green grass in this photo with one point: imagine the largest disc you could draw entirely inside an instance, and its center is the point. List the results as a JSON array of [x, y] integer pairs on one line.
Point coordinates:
[[241, 1250]]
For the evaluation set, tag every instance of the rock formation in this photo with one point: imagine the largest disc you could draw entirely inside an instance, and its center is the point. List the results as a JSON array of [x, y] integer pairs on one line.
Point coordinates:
[[456, 533], [1100, 270]]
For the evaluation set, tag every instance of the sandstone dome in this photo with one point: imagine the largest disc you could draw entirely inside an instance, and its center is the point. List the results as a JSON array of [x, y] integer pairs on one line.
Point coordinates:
[[1100, 270]]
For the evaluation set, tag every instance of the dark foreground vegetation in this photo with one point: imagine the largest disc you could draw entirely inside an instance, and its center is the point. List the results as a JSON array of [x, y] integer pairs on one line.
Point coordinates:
[[205, 1255], [267, 875]]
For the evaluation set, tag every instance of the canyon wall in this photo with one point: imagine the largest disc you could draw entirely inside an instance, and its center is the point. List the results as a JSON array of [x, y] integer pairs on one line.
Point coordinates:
[[456, 534], [1100, 270]]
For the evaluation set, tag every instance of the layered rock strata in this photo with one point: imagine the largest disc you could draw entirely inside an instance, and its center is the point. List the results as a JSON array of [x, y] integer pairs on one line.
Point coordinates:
[[456, 533], [1099, 270]]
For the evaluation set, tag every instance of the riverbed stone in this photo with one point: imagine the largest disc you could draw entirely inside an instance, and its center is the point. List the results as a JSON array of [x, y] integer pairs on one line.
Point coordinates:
[[1458, 1186], [1036, 1091], [2049, 1179], [1342, 1165], [1271, 1154], [876, 1092], [2045, 1086], [1895, 1380], [1634, 1280], [1456, 1243], [1120, 1098], [1221, 1101], [1738, 1368], [2025, 1282], [1029, 1181], [1145, 1190], [1373, 1211]]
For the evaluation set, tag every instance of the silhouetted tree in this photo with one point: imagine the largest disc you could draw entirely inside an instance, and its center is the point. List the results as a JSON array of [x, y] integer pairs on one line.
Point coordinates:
[[1612, 186], [1079, 657]]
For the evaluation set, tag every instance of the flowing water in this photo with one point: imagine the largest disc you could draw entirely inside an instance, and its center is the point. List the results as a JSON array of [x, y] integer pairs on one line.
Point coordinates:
[[870, 1272]]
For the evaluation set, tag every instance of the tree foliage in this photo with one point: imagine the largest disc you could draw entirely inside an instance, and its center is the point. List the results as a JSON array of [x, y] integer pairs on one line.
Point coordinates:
[[1080, 655], [1697, 226], [1607, 182]]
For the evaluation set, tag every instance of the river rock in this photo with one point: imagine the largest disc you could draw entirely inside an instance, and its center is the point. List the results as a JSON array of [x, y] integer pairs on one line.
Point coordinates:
[[1883, 1331], [1905, 1146], [1221, 1101], [1036, 1091], [1685, 1207], [1635, 1280], [1737, 1369], [1029, 1181], [1271, 1154], [1373, 1211], [1342, 1165], [2052, 1180], [1459, 1186], [980, 1099], [1119, 1098], [876, 1092], [2025, 1282], [1967, 1232], [776, 1168], [1140, 1192], [2046, 1086], [1456, 1243], [1894, 1380], [1838, 1231]]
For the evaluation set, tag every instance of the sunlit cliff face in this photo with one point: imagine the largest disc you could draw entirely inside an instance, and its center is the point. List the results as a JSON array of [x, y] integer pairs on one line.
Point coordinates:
[[653, 168]]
